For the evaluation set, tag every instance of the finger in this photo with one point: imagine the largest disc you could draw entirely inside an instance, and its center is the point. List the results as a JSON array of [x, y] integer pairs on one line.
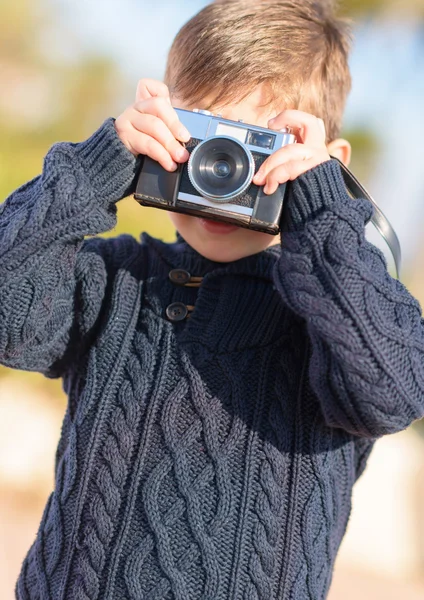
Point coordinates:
[[150, 88], [308, 129], [158, 130], [298, 152], [283, 173], [160, 108], [288, 172], [144, 144]]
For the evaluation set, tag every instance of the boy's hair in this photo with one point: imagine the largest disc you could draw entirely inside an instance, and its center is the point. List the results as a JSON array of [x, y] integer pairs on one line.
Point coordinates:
[[299, 48]]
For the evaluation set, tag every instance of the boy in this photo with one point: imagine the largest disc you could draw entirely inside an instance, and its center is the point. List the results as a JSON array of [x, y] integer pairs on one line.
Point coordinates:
[[224, 390]]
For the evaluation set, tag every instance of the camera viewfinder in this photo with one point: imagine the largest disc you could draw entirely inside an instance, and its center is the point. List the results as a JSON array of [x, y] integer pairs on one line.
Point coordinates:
[[260, 139]]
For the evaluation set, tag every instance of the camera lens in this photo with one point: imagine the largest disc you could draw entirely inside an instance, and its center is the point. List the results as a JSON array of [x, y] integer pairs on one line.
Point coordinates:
[[221, 168]]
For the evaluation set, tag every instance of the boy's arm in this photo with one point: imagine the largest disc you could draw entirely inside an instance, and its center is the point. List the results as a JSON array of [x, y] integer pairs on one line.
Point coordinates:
[[52, 281], [365, 329]]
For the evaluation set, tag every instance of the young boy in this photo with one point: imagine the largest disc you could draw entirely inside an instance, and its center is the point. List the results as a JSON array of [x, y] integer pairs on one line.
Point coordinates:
[[224, 390]]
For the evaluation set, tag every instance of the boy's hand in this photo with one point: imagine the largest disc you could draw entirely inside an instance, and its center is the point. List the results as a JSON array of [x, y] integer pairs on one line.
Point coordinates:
[[292, 160], [151, 126]]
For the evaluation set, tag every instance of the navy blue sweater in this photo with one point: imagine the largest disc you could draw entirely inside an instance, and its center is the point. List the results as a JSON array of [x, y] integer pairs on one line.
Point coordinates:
[[212, 457]]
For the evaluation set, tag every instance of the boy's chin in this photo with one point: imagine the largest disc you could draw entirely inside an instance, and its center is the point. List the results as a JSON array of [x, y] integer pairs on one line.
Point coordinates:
[[218, 245], [228, 248]]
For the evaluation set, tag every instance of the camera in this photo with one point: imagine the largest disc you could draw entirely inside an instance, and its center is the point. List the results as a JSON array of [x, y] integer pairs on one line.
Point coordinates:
[[216, 182]]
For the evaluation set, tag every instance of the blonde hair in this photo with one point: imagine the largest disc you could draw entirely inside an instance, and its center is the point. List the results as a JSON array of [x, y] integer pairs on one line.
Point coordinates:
[[298, 48]]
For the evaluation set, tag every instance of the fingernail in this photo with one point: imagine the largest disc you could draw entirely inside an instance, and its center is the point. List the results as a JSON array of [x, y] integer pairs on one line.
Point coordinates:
[[182, 154], [173, 166], [258, 177], [183, 134], [270, 189]]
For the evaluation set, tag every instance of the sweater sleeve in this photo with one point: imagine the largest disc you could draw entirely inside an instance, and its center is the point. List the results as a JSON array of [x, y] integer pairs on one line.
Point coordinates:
[[52, 281], [365, 329]]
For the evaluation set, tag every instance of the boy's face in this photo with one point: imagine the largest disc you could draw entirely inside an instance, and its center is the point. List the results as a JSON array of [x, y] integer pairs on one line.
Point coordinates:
[[217, 241]]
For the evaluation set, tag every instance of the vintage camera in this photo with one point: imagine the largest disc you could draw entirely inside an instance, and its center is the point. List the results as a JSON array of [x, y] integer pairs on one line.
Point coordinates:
[[216, 182]]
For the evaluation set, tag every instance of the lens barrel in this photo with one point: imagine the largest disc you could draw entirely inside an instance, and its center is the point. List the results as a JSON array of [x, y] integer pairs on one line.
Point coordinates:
[[221, 168]]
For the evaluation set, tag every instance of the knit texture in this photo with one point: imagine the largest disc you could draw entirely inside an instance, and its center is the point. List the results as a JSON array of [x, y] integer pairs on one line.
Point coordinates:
[[211, 458]]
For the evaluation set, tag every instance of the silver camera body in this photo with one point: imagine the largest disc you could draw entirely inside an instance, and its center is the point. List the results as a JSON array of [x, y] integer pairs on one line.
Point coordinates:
[[216, 182]]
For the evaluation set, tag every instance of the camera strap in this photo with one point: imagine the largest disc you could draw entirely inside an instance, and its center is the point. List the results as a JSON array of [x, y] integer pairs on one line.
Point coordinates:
[[378, 219]]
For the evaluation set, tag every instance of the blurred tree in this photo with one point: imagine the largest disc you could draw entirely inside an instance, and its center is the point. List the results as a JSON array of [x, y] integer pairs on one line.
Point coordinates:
[[44, 101], [364, 7], [47, 97], [365, 147]]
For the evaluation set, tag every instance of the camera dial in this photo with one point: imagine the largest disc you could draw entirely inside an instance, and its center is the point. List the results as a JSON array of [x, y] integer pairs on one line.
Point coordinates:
[[221, 168]]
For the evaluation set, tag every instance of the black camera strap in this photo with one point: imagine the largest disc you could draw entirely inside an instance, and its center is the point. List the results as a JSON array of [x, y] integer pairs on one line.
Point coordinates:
[[378, 219]]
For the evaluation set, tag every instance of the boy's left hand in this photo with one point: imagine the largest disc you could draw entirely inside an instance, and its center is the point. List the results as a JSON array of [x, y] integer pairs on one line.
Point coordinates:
[[292, 160]]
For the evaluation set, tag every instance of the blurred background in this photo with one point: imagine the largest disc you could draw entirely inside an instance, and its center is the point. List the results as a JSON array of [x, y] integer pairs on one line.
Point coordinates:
[[65, 66]]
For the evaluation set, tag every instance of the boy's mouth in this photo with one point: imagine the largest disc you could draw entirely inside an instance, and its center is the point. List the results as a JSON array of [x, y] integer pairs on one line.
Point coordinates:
[[217, 227]]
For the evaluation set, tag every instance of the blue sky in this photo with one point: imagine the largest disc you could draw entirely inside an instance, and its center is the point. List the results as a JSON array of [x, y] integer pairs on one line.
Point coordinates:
[[387, 66]]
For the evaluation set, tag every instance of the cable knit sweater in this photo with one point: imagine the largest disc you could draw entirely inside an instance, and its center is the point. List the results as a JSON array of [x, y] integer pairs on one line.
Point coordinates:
[[214, 457]]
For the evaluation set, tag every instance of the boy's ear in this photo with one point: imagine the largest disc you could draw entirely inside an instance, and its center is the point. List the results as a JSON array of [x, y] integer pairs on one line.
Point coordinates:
[[341, 149]]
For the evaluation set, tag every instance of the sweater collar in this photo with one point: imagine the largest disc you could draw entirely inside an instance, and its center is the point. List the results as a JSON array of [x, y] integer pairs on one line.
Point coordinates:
[[230, 313]]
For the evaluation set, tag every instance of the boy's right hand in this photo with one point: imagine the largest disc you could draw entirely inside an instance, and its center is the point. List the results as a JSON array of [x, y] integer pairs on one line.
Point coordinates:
[[151, 126]]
